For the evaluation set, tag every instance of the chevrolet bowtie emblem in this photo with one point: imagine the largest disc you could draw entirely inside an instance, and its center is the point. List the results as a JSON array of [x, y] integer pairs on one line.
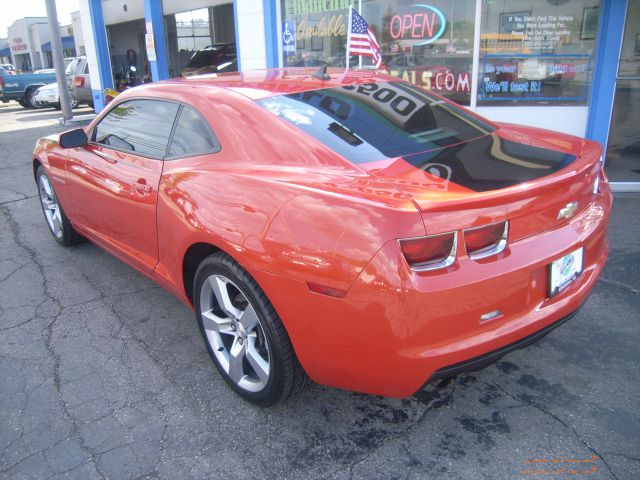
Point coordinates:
[[568, 210]]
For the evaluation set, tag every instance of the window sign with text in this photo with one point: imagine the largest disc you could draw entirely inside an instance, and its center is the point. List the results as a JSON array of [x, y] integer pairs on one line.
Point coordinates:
[[428, 43], [533, 53]]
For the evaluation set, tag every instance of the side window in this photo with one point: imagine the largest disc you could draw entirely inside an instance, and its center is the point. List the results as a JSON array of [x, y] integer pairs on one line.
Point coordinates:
[[86, 69], [192, 135], [140, 126]]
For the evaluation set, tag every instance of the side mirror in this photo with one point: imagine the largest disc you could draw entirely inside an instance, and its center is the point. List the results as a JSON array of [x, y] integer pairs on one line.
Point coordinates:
[[73, 138]]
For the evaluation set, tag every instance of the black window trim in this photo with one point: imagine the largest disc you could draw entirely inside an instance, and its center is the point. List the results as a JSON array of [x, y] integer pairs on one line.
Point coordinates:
[[165, 157]]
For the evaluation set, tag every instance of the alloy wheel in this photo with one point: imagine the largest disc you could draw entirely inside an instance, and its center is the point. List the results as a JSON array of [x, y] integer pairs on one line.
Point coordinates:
[[235, 333], [50, 206]]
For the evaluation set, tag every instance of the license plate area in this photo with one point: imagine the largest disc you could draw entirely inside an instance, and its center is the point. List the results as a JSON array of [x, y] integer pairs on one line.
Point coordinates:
[[563, 271]]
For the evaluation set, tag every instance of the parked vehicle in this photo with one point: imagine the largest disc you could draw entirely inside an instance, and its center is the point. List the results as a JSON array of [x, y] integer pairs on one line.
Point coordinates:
[[22, 88], [212, 59], [80, 82], [127, 77], [357, 229], [49, 96], [10, 68]]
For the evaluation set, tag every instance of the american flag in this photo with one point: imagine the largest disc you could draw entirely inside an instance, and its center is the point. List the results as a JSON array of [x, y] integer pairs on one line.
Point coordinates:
[[361, 39]]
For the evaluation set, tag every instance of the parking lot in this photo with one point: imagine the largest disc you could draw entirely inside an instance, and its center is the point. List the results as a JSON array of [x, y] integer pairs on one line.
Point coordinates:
[[104, 375]]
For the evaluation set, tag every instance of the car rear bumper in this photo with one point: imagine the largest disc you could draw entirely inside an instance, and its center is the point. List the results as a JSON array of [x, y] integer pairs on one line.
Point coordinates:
[[45, 100], [486, 359], [396, 328]]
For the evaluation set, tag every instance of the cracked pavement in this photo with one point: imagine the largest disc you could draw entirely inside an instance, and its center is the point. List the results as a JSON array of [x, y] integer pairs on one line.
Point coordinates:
[[104, 375]]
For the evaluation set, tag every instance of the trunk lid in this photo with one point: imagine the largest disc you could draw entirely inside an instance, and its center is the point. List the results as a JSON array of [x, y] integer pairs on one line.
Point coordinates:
[[515, 173]]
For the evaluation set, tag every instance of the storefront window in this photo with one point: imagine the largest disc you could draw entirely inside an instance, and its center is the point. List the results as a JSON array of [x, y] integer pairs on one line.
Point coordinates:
[[201, 41], [192, 29], [426, 43], [537, 53], [623, 149]]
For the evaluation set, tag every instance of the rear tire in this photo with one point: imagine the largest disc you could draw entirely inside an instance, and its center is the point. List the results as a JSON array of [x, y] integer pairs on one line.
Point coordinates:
[[57, 221], [243, 333]]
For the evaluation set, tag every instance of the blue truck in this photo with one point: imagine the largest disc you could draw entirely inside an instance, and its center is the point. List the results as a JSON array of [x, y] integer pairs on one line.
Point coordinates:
[[22, 88]]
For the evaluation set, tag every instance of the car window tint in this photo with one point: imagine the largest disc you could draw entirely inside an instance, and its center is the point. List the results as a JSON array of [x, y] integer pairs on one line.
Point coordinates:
[[192, 135], [376, 121], [141, 126]]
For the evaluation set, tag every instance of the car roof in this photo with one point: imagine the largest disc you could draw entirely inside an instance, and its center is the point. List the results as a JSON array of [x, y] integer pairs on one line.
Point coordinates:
[[259, 84]]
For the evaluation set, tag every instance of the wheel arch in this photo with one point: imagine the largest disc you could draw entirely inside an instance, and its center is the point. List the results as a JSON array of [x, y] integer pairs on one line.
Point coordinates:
[[193, 256], [36, 164]]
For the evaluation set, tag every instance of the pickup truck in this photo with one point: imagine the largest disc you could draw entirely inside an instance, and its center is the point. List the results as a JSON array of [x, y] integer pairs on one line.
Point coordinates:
[[23, 87]]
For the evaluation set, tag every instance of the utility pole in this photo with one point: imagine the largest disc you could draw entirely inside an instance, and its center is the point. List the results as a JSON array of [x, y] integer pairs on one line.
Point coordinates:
[[58, 60]]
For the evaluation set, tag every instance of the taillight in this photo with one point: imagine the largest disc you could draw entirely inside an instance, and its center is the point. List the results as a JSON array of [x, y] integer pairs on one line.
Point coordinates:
[[487, 240], [596, 184], [79, 82], [431, 252], [1, 83]]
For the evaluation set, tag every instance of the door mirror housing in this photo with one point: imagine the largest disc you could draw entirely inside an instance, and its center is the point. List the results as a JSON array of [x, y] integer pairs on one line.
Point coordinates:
[[73, 138]]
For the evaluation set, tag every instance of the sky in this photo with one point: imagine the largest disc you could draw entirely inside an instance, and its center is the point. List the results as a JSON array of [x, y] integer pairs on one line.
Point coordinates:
[[12, 10]]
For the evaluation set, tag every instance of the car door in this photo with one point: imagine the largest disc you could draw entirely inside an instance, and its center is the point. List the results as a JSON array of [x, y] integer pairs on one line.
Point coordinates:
[[113, 180]]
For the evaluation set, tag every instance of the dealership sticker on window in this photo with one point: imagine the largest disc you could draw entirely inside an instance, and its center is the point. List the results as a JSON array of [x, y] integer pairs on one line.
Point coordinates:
[[564, 271]]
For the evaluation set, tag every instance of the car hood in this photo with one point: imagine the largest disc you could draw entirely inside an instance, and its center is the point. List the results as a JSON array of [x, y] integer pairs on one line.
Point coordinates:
[[511, 172]]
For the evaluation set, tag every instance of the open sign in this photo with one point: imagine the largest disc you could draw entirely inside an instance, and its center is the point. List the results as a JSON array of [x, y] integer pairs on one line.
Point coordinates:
[[426, 24]]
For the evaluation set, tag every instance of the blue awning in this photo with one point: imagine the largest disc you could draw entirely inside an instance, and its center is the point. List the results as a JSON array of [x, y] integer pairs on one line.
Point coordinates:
[[5, 52], [67, 43]]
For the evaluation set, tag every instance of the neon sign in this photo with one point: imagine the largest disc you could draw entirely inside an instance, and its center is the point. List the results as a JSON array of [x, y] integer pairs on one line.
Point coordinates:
[[418, 26]]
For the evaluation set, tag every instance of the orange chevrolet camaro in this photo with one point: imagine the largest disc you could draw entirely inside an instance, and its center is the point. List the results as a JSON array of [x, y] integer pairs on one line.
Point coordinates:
[[352, 228]]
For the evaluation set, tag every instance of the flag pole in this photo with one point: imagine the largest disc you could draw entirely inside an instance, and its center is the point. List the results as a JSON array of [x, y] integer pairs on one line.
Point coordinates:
[[360, 13], [348, 39]]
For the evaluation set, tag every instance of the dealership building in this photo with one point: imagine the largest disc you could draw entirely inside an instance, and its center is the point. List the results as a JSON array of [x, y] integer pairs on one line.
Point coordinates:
[[28, 47], [567, 65]]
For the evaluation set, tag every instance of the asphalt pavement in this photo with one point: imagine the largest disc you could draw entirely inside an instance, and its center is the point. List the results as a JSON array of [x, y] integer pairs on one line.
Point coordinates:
[[104, 375]]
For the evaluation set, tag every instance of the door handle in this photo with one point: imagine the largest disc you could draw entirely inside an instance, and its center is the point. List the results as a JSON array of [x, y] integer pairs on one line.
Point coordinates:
[[108, 158], [142, 188]]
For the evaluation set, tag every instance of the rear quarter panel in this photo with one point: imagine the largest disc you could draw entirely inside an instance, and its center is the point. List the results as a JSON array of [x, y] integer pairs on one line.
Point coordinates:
[[276, 201]]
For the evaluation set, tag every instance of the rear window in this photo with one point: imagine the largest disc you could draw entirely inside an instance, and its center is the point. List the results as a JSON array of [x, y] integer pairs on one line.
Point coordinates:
[[211, 56], [374, 121]]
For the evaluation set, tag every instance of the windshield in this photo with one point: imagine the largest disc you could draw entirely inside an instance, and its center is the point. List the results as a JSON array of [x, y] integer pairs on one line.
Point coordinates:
[[376, 121]]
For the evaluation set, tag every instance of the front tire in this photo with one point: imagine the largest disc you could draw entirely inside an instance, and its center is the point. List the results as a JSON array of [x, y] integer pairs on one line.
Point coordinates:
[[57, 221], [243, 333]]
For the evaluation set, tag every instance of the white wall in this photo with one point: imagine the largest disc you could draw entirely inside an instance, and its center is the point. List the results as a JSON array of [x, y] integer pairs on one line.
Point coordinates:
[[251, 34], [18, 31], [113, 10], [178, 6], [39, 35], [571, 120], [78, 34], [90, 46]]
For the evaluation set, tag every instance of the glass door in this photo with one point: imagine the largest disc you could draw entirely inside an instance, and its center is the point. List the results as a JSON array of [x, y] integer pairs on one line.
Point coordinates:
[[623, 148]]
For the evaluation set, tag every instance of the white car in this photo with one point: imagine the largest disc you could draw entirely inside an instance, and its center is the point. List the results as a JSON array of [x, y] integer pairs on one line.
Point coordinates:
[[48, 96]]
